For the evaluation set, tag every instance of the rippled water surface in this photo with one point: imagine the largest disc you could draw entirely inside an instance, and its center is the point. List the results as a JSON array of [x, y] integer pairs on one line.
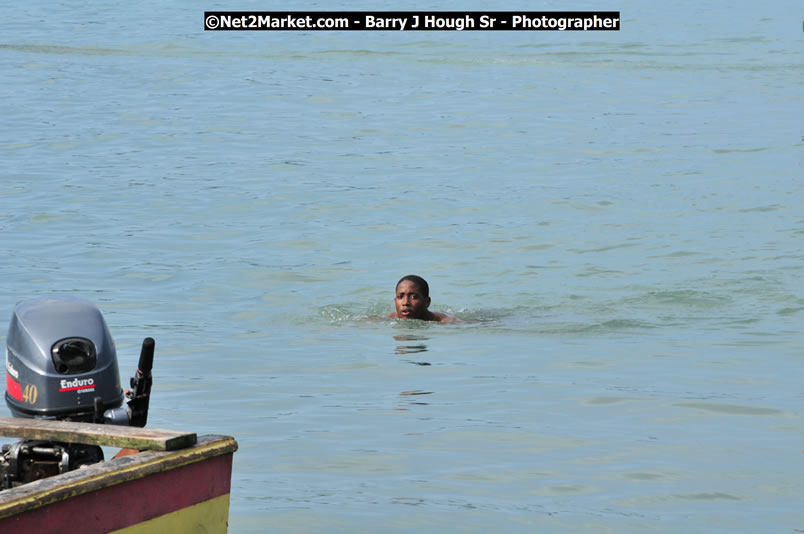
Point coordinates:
[[616, 216]]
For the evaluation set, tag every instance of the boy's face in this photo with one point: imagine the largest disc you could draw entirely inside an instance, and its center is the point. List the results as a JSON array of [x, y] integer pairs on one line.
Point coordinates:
[[410, 303]]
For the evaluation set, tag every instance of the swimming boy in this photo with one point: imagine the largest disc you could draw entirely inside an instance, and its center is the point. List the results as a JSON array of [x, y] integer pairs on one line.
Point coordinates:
[[412, 301]]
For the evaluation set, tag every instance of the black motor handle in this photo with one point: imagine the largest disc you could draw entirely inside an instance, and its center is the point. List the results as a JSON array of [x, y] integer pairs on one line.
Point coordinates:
[[140, 392]]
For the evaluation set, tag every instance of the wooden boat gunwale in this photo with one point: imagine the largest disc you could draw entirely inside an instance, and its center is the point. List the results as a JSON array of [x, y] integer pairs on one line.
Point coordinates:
[[27, 498], [108, 473]]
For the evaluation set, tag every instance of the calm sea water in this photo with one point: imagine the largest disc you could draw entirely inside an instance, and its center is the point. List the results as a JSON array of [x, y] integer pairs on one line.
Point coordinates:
[[617, 217]]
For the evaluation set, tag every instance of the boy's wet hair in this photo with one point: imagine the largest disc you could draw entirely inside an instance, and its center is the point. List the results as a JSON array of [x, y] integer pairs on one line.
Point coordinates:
[[420, 282]]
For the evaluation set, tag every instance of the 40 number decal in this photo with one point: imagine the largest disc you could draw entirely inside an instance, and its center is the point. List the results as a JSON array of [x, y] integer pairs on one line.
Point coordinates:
[[29, 394]]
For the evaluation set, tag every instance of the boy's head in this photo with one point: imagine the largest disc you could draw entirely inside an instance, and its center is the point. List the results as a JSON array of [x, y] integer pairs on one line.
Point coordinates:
[[412, 297]]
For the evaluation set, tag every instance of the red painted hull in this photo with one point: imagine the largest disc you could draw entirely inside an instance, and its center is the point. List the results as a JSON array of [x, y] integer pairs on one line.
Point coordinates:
[[187, 486]]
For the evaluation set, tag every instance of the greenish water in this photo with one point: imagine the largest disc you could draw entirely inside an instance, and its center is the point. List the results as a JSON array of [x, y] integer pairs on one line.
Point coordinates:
[[617, 216]]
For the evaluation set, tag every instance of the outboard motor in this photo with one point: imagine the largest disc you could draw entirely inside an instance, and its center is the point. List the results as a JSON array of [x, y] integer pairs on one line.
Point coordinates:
[[61, 364]]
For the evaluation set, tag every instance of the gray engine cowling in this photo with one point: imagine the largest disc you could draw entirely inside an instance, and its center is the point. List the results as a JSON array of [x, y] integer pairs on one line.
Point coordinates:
[[60, 357]]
